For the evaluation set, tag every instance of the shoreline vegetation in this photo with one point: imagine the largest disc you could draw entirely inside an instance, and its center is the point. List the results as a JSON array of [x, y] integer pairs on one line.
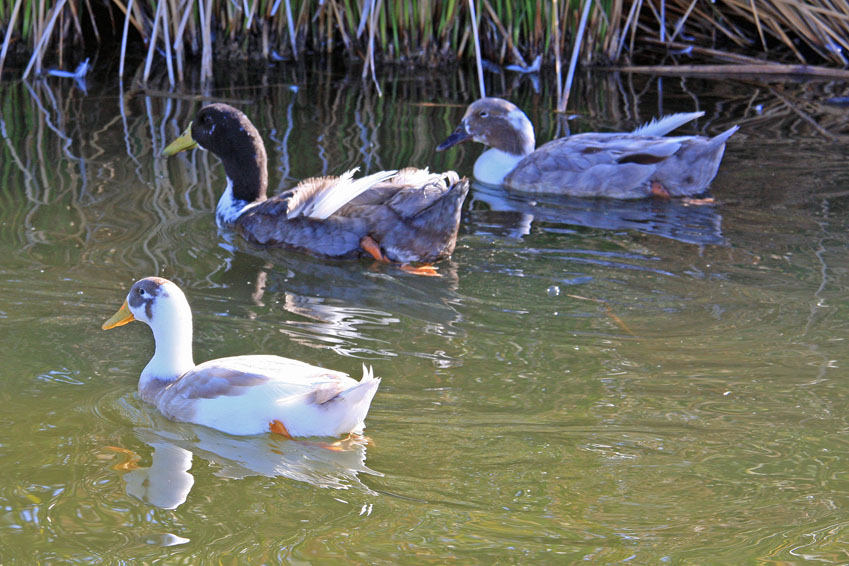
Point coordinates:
[[807, 37]]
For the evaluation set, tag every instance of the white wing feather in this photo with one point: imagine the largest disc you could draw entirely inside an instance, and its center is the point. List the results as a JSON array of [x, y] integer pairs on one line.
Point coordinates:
[[344, 191], [665, 124]]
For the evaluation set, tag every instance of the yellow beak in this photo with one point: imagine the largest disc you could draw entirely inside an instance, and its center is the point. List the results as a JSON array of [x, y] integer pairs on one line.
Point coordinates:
[[120, 318], [184, 142]]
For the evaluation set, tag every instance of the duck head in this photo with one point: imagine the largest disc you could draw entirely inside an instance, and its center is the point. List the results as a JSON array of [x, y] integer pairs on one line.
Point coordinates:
[[230, 135], [160, 304], [150, 300], [495, 122]]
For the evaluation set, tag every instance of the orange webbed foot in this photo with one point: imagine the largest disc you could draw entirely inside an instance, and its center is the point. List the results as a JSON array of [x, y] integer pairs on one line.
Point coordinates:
[[371, 246], [426, 270], [278, 427], [689, 201], [658, 191]]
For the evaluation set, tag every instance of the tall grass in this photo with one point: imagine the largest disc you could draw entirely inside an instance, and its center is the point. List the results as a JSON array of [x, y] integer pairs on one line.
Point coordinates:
[[422, 32]]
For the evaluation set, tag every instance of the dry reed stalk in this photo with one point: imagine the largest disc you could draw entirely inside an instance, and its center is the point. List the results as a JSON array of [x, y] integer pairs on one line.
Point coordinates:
[[134, 19], [166, 40], [293, 39], [179, 41], [556, 17], [151, 48], [758, 23], [682, 21], [737, 69], [8, 37], [708, 53], [370, 55], [517, 57], [42, 40], [573, 62], [476, 39], [127, 18], [206, 39]]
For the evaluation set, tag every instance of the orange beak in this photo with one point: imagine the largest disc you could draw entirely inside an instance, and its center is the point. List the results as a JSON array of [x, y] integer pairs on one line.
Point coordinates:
[[120, 318]]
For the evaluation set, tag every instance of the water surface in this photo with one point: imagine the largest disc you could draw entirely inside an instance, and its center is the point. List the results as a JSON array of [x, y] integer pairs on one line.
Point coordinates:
[[588, 381]]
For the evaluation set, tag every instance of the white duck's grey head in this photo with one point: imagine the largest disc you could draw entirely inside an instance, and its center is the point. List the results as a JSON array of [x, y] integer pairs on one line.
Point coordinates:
[[230, 135], [497, 123], [152, 300]]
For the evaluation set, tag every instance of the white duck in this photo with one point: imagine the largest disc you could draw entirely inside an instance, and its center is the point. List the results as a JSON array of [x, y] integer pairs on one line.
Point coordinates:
[[621, 165], [241, 395]]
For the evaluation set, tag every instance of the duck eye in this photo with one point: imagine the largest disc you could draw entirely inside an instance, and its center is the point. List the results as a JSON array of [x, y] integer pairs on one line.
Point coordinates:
[[483, 113]]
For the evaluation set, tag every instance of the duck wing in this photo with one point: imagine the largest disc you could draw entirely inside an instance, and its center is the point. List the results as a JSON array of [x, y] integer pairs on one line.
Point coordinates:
[[665, 124], [413, 214], [593, 165], [247, 394], [418, 190], [623, 165], [319, 197], [234, 376], [308, 216]]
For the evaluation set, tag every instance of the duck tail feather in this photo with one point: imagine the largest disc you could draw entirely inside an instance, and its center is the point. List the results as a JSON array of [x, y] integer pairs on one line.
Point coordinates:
[[723, 137], [357, 401], [329, 201], [665, 124]]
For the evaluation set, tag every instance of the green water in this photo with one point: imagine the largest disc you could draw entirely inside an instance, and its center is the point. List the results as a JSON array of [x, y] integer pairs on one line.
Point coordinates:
[[588, 382]]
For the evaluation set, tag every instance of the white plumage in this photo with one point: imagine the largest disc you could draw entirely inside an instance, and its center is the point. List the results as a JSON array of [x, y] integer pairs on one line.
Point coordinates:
[[241, 395]]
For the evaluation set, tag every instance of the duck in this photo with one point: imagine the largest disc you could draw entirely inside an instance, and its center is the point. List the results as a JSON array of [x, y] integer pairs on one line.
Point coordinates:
[[239, 395], [620, 165], [405, 216]]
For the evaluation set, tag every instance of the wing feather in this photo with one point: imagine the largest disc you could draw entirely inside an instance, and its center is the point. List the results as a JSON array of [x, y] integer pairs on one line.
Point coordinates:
[[319, 198], [234, 376], [665, 124]]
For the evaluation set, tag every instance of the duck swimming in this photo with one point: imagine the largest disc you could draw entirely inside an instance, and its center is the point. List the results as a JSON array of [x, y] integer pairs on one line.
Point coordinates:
[[410, 215], [618, 165], [240, 395]]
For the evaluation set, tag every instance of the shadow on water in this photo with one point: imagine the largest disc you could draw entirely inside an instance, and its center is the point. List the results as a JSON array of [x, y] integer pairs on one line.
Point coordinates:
[[597, 380]]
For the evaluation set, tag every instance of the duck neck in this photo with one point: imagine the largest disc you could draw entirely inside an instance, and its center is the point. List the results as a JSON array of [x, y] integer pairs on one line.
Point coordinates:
[[230, 206], [494, 164], [511, 139], [247, 180], [173, 355]]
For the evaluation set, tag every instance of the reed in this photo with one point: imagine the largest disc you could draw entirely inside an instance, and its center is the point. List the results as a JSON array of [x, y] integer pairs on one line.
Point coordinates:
[[421, 32], [809, 31], [178, 33]]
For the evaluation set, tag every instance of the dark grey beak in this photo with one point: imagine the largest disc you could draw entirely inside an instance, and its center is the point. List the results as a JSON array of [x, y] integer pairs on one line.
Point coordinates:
[[460, 135]]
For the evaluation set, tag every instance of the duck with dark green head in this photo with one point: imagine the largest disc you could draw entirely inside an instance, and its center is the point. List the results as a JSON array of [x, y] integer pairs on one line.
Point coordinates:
[[406, 216]]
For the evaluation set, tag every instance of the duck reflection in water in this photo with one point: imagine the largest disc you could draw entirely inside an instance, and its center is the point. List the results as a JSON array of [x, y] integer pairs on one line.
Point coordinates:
[[167, 482], [339, 304], [513, 215]]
